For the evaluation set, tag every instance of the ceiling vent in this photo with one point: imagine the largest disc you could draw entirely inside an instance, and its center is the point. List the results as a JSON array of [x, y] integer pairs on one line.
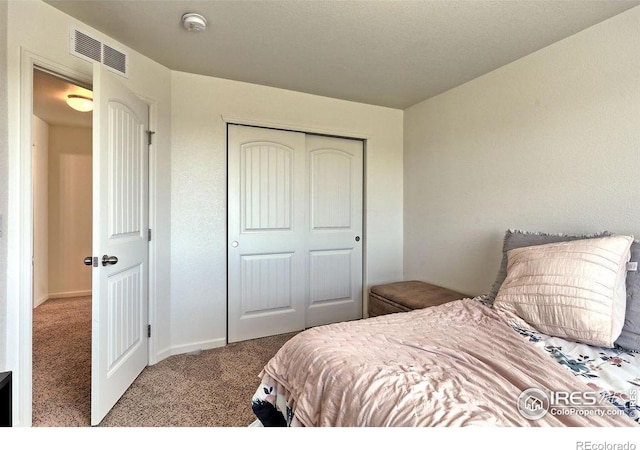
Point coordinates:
[[91, 49]]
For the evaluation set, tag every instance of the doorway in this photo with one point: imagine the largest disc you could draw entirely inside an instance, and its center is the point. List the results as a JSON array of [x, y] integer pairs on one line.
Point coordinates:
[[62, 237]]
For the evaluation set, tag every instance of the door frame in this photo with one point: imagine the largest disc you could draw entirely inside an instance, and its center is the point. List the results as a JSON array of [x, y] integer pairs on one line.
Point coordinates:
[[23, 379], [308, 129]]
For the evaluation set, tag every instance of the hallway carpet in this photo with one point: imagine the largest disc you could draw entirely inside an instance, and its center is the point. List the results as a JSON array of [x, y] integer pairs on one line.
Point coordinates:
[[210, 389]]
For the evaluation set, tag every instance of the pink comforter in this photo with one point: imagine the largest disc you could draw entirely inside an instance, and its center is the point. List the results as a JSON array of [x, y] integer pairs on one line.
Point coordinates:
[[457, 364]]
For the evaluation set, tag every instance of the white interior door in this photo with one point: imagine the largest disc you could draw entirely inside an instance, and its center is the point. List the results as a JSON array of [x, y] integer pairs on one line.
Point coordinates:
[[294, 231], [266, 232], [335, 230], [120, 227]]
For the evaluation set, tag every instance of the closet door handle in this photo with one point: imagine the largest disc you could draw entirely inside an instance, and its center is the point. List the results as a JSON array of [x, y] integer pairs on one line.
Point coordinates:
[[88, 261]]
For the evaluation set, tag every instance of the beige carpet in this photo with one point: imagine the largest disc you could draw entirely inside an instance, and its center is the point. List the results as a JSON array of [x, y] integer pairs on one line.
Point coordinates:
[[212, 389]]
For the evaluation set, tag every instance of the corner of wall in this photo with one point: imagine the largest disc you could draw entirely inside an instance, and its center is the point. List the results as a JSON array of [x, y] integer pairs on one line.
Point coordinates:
[[538, 144]]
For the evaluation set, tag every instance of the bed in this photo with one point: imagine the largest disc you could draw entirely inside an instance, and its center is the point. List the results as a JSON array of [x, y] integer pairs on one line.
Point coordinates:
[[484, 361]]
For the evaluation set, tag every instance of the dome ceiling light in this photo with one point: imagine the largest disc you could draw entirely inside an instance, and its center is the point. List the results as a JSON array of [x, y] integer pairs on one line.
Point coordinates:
[[80, 103]]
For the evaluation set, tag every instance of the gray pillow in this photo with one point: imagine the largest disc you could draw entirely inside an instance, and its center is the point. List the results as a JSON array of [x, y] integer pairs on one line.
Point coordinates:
[[630, 337], [517, 239]]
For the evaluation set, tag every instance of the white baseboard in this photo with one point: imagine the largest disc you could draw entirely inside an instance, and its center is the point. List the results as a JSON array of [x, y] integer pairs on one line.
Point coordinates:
[[161, 355], [70, 294], [195, 346], [188, 348], [40, 301]]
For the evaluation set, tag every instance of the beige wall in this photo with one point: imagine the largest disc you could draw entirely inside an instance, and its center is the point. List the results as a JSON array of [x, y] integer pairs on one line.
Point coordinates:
[[199, 193], [70, 210], [62, 179], [40, 211], [4, 172], [547, 143]]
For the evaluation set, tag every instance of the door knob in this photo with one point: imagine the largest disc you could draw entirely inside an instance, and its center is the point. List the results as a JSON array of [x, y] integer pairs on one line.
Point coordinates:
[[88, 261], [109, 260]]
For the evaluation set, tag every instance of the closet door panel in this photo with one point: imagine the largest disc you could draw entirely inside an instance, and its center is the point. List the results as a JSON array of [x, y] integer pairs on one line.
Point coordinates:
[[266, 232], [335, 230]]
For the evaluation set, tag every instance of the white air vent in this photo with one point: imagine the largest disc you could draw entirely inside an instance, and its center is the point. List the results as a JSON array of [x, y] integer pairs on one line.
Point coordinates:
[[85, 46], [114, 59], [91, 49]]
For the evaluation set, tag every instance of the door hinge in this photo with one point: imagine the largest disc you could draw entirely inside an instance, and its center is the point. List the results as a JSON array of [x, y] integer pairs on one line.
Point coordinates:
[[149, 235], [150, 136], [149, 331]]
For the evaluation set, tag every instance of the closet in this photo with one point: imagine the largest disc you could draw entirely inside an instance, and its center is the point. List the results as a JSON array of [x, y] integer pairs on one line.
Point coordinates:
[[295, 208]]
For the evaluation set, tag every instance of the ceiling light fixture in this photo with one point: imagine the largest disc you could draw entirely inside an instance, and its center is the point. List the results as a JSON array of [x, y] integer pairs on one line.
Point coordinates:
[[80, 103], [194, 22]]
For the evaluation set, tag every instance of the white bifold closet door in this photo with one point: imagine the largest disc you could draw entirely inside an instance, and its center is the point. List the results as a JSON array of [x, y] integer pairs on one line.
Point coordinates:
[[294, 231]]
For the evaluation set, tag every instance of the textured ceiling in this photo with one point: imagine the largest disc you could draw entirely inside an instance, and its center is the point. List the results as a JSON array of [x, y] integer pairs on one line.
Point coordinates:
[[50, 101], [392, 53]]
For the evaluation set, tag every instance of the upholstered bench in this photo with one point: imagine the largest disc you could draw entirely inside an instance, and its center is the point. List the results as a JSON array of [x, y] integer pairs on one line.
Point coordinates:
[[405, 296]]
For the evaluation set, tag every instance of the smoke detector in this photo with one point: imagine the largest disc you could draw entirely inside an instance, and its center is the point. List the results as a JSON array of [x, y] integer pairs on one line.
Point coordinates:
[[194, 22]]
